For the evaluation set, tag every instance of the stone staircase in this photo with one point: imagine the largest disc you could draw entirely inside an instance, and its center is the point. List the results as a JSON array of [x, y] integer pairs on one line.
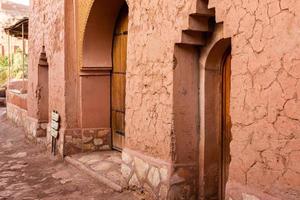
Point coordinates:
[[201, 24]]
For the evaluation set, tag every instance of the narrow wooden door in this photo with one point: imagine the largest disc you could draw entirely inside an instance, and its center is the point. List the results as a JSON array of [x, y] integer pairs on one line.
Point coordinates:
[[119, 80], [226, 124]]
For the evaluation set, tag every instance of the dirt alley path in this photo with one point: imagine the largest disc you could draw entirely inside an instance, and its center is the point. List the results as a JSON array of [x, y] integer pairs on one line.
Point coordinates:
[[28, 172]]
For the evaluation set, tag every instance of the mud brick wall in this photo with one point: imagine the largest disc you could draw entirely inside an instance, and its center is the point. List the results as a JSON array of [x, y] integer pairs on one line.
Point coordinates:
[[154, 27], [265, 96], [46, 28], [265, 90], [19, 100]]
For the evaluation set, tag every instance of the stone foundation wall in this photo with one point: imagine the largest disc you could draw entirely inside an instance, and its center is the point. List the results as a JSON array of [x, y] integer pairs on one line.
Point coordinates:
[[31, 126], [147, 173], [16, 114], [183, 181], [86, 140], [161, 179]]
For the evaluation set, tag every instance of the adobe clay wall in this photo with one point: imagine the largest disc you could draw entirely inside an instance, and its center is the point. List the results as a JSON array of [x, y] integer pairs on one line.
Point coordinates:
[[265, 90], [265, 96], [46, 28], [154, 28]]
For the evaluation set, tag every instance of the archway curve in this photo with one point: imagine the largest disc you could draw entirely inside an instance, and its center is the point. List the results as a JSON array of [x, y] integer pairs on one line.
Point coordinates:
[[198, 58], [216, 54], [212, 142], [96, 62], [98, 33]]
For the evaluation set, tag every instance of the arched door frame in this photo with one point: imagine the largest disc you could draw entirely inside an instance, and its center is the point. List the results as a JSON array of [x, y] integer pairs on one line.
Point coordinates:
[[97, 63], [211, 103]]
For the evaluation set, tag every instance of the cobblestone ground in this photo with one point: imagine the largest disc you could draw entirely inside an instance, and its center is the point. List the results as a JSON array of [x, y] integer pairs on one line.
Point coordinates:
[[29, 172]]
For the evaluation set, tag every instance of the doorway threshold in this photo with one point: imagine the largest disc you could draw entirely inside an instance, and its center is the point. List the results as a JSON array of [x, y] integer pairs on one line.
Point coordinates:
[[104, 166]]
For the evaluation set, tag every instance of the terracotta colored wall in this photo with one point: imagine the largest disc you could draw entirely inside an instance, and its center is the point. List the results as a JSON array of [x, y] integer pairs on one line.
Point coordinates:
[[18, 85], [153, 31], [72, 92], [265, 95], [19, 100], [265, 83], [97, 44], [95, 102], [46, 27]]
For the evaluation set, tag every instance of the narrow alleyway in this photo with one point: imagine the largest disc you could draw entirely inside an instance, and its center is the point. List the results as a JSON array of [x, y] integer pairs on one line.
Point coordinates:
[[29, 172]]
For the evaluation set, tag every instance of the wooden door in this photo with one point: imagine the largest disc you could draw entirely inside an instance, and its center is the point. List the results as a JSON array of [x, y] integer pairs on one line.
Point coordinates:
[[119, 80], [226, 124]]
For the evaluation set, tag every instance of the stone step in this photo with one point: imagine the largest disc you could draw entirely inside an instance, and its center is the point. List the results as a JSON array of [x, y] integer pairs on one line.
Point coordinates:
[[200, 23], [202, 9], [97, 176], [191, 37], [43, 60]]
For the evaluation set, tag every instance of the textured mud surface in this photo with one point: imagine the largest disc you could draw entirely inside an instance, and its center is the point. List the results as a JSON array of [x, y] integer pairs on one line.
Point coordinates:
[[29, 172]]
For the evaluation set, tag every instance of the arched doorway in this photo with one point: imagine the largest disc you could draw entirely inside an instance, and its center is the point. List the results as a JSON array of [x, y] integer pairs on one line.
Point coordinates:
[[216, 127], [118, 80], [102, 74]]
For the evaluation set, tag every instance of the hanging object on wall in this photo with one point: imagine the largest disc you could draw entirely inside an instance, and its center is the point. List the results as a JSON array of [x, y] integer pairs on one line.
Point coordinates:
[[55, 119]]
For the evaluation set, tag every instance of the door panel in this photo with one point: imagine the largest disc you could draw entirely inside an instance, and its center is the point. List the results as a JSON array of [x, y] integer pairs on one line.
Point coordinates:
[[118, 92], [226, 123], [120, 52], [119, 124], [119, 80]]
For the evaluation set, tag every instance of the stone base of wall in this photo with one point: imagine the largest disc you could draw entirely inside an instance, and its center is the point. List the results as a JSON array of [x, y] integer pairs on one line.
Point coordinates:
[[73, 140], [145, 172], [15, 97], [183, 181], [161, 179], [16, 114], [31, 126], [86, 140], [237, 191]]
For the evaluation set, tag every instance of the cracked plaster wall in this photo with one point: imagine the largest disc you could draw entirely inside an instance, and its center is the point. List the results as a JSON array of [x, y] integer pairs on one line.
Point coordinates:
[[46, 27], [265, 104], [154, 27], [265, 95]]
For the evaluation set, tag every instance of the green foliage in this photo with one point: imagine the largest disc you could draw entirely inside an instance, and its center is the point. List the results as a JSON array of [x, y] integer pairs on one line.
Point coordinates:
[[17, 65], [3, 69], [16, 68]]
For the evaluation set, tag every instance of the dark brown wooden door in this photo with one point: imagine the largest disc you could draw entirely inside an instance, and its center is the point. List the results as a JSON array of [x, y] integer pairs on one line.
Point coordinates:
[[119, 80], [226, 123]]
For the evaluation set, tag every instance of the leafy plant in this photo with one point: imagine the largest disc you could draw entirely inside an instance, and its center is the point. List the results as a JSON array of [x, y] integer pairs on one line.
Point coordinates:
[[16, 70], [3, 69]]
